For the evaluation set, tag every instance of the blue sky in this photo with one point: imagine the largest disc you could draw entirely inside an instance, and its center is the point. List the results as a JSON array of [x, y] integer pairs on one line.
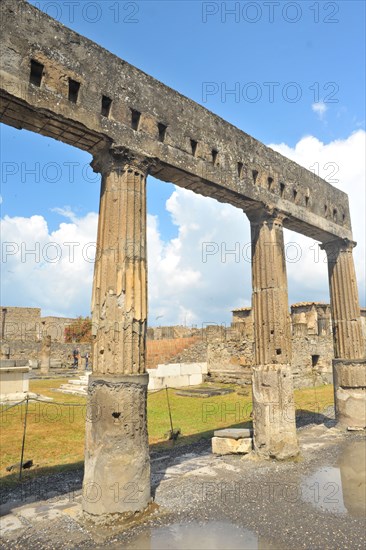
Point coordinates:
[[297, 69]]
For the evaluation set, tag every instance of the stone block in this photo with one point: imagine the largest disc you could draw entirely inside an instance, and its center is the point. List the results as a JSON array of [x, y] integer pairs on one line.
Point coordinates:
[[155, 383], [195, 379], [351, 407], [169, 370], [190, 368], [14, 380], [233, 433], [227, 445], [204, 368], [350, 374], [176, 381]]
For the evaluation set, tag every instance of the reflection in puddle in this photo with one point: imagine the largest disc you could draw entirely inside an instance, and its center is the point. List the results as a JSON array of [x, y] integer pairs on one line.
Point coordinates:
[[340, 489], [213, 535]]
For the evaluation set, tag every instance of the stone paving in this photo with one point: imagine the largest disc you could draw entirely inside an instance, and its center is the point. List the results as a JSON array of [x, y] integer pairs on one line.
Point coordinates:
[[179, 480]]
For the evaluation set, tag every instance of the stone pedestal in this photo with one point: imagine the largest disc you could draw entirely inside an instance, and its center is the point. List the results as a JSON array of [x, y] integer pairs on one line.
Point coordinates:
[[350, 392], [274, 411], [349, 366], [116, 445], [273, 405], [117, 463]]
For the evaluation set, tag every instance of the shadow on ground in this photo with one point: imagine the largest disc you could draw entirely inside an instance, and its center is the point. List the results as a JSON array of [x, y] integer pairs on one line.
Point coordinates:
[[44, 483]]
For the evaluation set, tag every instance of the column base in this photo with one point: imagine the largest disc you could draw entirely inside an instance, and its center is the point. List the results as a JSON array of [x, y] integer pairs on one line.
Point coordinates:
[[349, 377], [274, 423], [117, 463]]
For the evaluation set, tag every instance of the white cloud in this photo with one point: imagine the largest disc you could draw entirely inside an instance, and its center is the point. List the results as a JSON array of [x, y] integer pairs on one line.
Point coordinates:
[[342, 161], [185, 286], [66, 212], [320, 109], [51, 270], [181, 283]]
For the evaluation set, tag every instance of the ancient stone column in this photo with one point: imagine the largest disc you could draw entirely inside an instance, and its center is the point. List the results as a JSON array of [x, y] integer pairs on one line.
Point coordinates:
[[272, 385], [117, 465], [45, 361], [349, 365]]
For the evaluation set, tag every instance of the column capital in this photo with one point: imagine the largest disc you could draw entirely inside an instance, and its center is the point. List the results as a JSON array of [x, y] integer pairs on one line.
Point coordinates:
[[338, 245], [265, 214], [116, 157]]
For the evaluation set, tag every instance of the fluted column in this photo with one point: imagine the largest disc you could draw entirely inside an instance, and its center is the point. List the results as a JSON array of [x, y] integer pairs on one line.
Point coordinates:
[[349, 365], [273, 402], [119, 304], [117, 464], [346, 316]]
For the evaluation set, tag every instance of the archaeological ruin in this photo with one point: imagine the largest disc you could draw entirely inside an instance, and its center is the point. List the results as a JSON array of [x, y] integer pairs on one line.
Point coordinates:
[[61, 85]]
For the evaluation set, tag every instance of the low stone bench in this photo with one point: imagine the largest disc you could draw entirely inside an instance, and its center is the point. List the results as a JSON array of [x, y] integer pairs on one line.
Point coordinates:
[[232, 441]]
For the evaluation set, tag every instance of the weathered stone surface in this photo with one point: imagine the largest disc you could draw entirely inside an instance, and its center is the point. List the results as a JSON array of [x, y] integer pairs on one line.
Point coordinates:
[[349, 342], [349, 374], [117, 465], [46, 354], [350, 392], [273, 405], [228, 445], [274, 412], [233, 433], [119, 302], [351, 407]]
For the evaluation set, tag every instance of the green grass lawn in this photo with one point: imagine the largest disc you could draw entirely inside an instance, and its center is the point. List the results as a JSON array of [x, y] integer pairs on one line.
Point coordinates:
[[55, 431]]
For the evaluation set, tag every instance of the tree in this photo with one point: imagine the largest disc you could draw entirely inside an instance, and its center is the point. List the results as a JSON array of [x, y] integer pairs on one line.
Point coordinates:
[[79, 331]]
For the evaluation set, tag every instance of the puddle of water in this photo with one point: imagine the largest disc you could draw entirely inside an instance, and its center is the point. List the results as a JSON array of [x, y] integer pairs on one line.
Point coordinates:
[[342, 488], [213, 535]]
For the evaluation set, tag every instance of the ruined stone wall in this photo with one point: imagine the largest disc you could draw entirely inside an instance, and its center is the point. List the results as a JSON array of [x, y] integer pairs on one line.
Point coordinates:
[[195, 353], [20, 323], [312, 360], [26, 324], [231, 360], [61, 353], [23, 331], [230, 351], [55, 327]]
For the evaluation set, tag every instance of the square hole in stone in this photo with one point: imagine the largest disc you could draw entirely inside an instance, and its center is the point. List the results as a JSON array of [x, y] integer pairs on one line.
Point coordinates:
[[162, 131], [36, 73], [74, 88], [135, 119], [106, 106]]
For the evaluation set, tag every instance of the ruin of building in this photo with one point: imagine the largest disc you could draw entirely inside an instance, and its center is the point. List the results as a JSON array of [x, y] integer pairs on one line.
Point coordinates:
[[62, 85]]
